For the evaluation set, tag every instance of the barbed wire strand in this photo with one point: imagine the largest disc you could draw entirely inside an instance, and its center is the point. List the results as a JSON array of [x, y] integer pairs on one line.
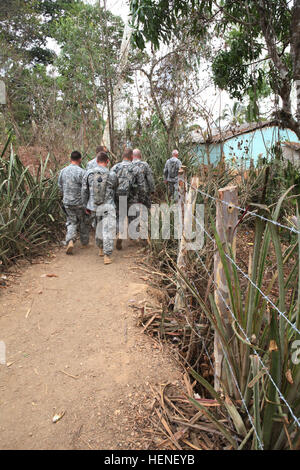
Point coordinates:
[[281, 396], [253, 283], [233, 375], [291, 229]]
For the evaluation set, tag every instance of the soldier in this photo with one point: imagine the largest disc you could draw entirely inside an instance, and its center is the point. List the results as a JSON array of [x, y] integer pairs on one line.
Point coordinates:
[[98, 197], [93, 163], [148, 179], [130, 187], [149, 186], [171, 169], [69, 182]]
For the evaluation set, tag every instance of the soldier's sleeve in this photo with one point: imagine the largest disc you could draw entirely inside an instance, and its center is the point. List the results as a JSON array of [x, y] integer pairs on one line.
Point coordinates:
[[150, 178], [179, 165], [114, 168], [60, 182], [81, 175], [85, 192], [112, 183], [166, 170], [116, 182]]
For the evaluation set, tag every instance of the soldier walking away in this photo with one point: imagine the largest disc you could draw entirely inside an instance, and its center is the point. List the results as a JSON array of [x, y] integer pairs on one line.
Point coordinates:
[[148, 180], [130, 185], [69, 182], [171, 169], [98, 197], [93, 163], [149, 187]]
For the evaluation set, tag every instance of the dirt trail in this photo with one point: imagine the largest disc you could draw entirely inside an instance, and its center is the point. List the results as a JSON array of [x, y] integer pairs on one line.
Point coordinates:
[[72, 345]]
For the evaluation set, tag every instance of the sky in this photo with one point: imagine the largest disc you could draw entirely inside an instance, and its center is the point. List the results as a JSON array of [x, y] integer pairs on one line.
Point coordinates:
[[117, 7], [218, 99], [213, 99]]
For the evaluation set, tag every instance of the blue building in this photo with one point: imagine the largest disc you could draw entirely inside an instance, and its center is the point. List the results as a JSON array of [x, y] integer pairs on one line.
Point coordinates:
[[241, 144]]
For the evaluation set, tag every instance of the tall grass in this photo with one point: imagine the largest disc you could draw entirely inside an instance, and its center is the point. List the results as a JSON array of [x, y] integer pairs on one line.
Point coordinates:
[[30, 211], [260, 360], [258, 347], [153, 144]]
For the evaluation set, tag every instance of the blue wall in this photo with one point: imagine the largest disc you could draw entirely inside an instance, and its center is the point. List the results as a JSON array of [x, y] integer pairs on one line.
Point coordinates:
[[241, 149]]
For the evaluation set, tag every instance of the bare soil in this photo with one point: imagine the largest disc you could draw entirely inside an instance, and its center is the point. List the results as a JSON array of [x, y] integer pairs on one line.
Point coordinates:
[[73, 349]]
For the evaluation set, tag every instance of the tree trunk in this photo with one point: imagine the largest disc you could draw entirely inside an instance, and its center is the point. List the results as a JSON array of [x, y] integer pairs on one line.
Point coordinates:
[[117, 90], [295, 52], [285, 86]]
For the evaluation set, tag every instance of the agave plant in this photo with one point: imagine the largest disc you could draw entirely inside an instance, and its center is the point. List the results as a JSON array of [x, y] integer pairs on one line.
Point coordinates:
[[30, 212], [260, 380]]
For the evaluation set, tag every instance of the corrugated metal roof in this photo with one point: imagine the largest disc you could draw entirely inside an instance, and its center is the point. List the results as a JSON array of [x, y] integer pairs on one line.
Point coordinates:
[[201, 137], [293, 145]]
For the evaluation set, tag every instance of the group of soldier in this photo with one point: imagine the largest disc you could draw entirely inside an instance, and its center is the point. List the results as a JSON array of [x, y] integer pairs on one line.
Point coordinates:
[[102, 198]]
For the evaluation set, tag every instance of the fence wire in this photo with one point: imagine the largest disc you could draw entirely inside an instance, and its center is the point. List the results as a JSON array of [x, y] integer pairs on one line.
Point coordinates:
[[246, 211], [247, 339]]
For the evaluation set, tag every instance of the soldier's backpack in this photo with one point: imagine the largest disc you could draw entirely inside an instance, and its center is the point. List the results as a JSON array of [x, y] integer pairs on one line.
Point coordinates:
[[173, 169], [142, 167], [125, 177], [99, 187]]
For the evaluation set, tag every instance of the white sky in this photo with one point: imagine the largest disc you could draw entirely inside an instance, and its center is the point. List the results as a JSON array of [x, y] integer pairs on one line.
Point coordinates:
[[217, 100], [117, 7], [212, 99]]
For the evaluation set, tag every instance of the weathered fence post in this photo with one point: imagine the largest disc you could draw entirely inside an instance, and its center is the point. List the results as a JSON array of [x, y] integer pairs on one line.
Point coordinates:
[[190, 201], [226, 221], [181, 189], [179, 302]]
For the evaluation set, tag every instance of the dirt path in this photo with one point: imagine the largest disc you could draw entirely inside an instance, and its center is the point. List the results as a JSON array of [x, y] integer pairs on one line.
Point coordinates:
[[72, 346]]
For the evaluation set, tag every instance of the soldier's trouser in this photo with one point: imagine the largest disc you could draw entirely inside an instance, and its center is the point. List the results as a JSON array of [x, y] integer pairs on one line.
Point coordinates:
[[93, 220], [77, 219], [138, 218], [105, 232], [122, 213], [173, 190]]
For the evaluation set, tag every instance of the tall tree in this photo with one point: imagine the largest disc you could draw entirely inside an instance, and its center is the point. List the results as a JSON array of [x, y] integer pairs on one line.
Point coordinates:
[[254, 33], [25, 27], [173, 87], [90, 40]]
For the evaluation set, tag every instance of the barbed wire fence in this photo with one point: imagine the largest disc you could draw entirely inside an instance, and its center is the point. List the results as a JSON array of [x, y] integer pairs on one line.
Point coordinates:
[[224, 241]]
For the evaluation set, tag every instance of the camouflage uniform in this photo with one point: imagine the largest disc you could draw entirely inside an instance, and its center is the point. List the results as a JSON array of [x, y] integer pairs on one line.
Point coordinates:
[[92, 164], [171, 169], [105, 214], [136, 191], [149, 187], [69, 182], [148, 181]]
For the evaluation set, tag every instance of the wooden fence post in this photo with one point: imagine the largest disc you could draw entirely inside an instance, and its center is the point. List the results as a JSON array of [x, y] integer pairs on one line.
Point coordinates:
[[181, 189], [226, 221], [190, 199]]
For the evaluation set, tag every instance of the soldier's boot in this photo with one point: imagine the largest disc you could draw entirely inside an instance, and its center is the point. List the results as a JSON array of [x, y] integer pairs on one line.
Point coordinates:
[[101, 252], [70, 246], [107, 259], [119, 244]]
